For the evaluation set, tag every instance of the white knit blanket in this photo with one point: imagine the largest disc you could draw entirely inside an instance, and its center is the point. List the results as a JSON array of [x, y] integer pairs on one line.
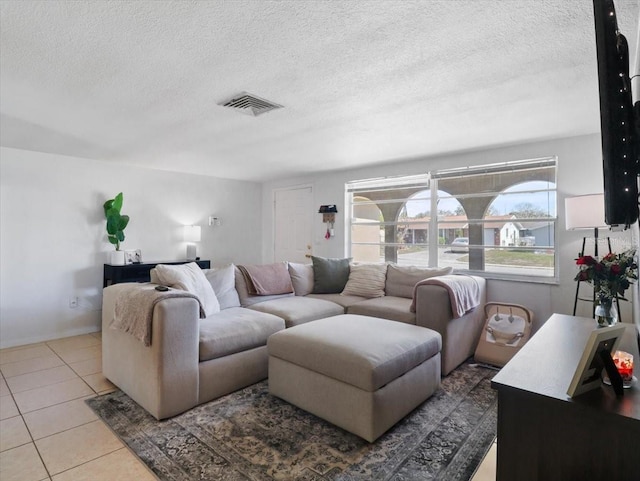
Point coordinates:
[[134, 309], [464, 292]]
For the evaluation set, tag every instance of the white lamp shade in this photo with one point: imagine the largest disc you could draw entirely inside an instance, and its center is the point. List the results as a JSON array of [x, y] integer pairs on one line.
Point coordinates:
[[584, 212], [192, 233]]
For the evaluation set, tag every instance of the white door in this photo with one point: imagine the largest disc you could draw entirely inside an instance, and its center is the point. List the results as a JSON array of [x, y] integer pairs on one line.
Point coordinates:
[[293, 213]]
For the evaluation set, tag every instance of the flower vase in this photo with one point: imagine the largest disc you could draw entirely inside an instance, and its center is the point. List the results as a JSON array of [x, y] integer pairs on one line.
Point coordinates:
[[606, 313]]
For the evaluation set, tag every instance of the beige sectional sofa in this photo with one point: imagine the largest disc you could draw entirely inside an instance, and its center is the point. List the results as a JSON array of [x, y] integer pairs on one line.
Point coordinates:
[[192, 360]]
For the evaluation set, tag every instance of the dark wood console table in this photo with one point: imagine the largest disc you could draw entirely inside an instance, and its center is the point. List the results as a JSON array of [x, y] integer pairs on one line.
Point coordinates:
[[138, 272], [545, 435]]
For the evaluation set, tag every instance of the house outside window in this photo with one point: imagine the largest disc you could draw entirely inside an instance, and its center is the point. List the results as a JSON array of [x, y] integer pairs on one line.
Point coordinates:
[[497, 219]]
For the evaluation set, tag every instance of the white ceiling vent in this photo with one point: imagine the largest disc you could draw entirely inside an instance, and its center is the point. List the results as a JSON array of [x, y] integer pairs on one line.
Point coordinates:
[[249, 104]]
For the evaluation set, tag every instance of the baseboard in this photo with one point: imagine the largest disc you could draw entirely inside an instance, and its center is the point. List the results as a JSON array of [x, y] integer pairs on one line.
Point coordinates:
[[36, 339]]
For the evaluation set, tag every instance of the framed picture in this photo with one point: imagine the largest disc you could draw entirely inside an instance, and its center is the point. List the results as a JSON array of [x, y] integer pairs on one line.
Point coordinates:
[[588, 374], [133, 256]]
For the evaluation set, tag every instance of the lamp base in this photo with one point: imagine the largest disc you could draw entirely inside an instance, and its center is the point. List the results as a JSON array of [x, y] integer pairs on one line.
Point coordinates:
[[191, 252]]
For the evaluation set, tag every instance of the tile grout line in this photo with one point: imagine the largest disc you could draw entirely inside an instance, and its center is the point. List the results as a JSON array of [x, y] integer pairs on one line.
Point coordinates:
[[92, 460], [54, 384], [70, 367], [12, 397], [32, 442], [44, 385], [49, 475], [35, 446], [67, 364], [64, 430], [24, 360], [94, 392]]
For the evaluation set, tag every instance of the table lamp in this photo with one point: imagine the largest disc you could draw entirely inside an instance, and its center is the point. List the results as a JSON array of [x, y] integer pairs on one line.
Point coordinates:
[[191, 235]]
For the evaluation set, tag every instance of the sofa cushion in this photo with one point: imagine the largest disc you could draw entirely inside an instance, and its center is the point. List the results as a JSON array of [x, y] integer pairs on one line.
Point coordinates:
[[247, 299], [340, 299], [223, 281], [235, 330], [189, 277], [301, 278], [298, 310], [387, 307], [366, 280], [375, 351], [329, 275], [402, 279]]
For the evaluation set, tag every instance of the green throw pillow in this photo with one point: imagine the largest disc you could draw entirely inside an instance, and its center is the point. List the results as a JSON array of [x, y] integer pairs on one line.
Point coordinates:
[[329, 275]]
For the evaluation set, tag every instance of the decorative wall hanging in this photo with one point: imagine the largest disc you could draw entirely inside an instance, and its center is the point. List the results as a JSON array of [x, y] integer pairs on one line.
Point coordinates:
[[329, 217]]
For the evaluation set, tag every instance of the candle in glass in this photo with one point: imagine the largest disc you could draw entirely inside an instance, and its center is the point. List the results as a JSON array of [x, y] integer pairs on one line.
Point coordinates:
[[624, 363]]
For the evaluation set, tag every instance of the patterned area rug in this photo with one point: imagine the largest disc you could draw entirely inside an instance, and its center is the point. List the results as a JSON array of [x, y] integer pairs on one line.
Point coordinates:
[[251, 435]]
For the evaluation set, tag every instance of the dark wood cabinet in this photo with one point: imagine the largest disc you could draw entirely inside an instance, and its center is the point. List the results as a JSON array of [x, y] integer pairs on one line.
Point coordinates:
[[138, 272], [543, 434]]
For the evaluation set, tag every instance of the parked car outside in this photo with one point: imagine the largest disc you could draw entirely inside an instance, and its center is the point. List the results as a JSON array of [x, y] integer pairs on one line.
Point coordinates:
[[460, 244]]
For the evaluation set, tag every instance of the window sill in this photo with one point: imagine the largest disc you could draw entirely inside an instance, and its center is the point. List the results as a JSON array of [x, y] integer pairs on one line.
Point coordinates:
[[495, 276]]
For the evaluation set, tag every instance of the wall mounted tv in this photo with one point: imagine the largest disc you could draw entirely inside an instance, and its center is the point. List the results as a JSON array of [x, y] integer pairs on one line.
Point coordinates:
[[619, 120]]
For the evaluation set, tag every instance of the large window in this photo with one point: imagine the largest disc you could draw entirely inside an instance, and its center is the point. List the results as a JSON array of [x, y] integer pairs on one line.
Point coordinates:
[[379, 217], [497, 218]]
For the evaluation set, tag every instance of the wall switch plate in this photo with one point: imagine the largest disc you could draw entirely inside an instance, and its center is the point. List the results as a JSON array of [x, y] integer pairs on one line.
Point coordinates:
[[73, 302]]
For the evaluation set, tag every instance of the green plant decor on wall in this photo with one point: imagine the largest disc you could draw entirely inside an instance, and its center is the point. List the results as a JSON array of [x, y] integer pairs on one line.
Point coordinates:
[[116, 222]]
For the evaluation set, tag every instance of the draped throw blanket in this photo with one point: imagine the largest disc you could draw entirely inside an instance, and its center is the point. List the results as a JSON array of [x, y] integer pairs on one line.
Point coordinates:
[[267, 280], [134, 309], [464, 292]]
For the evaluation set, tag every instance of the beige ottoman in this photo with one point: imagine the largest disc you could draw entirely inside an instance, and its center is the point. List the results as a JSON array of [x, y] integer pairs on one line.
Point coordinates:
[[360, 373]]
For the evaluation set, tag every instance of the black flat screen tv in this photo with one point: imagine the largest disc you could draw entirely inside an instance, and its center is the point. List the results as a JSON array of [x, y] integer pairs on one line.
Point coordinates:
[[619, 122]]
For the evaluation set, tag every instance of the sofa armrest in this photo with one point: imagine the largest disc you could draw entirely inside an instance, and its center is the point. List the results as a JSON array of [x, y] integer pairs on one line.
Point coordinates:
[[163, 377], [459, 336]]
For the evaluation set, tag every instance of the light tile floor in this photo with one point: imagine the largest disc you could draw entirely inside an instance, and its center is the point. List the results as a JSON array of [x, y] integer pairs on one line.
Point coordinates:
[[47, 432]]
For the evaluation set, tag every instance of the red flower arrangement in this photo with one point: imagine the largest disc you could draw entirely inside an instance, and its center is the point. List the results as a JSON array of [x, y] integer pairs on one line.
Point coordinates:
[[611, 276]]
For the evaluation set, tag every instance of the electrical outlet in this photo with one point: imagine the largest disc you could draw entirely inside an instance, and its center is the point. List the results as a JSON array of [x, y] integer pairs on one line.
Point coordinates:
[[73, 302]]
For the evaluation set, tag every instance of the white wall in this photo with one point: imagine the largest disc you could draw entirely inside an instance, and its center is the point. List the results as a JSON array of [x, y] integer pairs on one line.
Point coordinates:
[[579, 172], [53, 242]]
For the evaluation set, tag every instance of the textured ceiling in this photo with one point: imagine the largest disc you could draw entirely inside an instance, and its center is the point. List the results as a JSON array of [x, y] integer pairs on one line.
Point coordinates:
[[361, 82]]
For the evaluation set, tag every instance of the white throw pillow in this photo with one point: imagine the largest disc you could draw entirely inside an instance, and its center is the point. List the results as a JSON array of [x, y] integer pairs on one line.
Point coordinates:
[[190, 278], [366, 280], [223, 282], [301, 278], [153, 276]]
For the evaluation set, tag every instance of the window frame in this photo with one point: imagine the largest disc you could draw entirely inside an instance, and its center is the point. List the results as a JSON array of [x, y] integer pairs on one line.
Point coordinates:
[[431, 181]]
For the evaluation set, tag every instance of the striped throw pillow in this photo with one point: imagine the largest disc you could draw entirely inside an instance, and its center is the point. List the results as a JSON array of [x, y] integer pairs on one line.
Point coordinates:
[[366, 280]]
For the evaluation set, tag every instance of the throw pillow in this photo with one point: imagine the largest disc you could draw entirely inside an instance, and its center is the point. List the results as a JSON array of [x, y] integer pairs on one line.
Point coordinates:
[[329, 275], [189, 277], [366, 280], [223, 282], [153, 275], [402, 279], [301, 278]]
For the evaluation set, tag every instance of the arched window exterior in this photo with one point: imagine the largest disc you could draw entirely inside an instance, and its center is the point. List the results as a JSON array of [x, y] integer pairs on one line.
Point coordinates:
[[497, 218]]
